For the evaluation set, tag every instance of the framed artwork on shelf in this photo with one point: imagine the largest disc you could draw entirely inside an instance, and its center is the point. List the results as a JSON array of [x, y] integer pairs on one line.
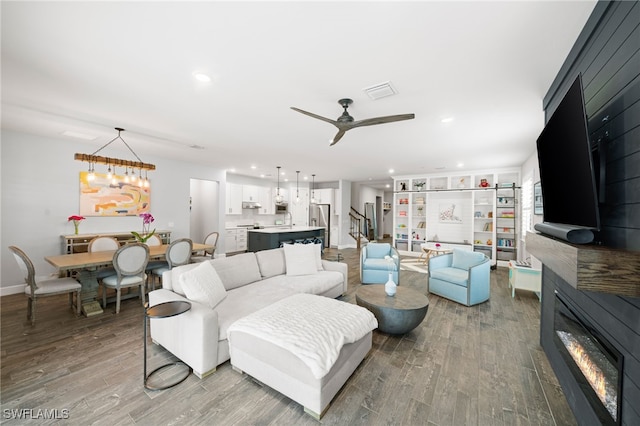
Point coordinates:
[[448, 214], [537, 198]]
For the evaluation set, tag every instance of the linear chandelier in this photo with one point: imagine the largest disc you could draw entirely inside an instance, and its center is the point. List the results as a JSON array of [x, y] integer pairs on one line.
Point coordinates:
[[139, 165]]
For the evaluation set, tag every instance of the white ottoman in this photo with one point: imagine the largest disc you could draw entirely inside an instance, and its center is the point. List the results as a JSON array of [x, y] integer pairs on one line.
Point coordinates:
[[258, 348]]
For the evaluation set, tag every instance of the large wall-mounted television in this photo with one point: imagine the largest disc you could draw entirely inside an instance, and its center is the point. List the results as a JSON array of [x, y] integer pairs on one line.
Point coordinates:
[[567, 174]]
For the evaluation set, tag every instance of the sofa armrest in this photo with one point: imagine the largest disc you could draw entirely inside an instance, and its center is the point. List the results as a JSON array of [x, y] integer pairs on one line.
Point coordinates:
[[339, 267], [441, 261], [191, 336]]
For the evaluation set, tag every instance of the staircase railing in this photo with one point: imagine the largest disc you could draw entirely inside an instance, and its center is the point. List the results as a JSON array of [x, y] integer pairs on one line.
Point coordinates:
[[359, 225]]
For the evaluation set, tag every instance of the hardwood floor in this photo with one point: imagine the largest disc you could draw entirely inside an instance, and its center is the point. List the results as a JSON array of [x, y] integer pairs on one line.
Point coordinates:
[[462, 366]]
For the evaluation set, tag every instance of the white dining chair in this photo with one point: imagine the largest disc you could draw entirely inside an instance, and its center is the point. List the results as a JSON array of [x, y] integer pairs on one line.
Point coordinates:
[[103, 244], [38, 287], [212, 240], [178, 253], [130, 262], [154, 240]]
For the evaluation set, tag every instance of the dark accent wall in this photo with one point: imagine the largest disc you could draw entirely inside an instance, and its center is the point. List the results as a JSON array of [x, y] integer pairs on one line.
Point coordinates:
[[607, 53]]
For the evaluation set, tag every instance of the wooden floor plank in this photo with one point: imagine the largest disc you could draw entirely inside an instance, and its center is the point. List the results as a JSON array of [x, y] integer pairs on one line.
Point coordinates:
[[477, 365]]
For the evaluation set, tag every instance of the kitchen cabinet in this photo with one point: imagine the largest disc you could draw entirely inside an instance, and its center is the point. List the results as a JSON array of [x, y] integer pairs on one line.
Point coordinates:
[[251, 193], [325, 196], [233, 198], [235, 240], [265, 199]]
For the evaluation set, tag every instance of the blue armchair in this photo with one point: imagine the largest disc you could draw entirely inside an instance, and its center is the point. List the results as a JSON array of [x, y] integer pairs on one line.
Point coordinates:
[[374, 268], [462, 276]]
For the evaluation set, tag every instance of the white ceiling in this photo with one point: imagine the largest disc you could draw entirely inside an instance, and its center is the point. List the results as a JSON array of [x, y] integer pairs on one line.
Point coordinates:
[[89, 67]]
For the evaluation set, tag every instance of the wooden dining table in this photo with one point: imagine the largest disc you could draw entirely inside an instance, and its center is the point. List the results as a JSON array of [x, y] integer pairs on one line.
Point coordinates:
[[85, 267]]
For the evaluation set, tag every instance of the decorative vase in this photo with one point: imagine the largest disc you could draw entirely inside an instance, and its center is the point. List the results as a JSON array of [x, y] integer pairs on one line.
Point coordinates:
[[75, 225], [390, 286]]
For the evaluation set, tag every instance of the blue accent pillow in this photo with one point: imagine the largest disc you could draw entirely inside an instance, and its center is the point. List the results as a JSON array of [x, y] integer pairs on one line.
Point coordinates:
[[464, 259]]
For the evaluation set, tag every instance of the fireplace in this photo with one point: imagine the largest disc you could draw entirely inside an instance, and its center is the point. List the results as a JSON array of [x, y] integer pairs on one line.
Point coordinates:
[[595, 364]]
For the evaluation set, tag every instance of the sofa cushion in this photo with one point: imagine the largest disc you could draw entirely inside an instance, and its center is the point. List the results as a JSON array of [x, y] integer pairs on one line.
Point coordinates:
[[271, 262], [242, 301], [378, 250], [202, 284], [378, 264], [300, 259], [236, 271], [318, 283], [464, 259], [453, 275], [174, 283]]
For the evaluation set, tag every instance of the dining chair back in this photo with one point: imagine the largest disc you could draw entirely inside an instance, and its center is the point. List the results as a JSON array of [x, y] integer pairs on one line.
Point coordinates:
[[44, 286], [178, 253], [103, 244], [212, 240], [130, 262], [154, 240]]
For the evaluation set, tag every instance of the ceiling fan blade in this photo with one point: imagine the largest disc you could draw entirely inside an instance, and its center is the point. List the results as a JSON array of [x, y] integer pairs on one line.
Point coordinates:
[[381, 120], [337, 137], [310, 114]]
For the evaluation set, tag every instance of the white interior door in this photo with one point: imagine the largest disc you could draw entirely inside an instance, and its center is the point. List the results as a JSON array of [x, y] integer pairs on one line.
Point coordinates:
[[203, 196]]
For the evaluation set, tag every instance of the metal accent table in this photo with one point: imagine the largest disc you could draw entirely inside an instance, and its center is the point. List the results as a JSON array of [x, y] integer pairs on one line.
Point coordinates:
[[397, 314], [164, 310]]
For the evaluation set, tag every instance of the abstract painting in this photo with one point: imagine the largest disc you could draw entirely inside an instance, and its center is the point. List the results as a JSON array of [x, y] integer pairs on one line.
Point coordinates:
[[105, 196]]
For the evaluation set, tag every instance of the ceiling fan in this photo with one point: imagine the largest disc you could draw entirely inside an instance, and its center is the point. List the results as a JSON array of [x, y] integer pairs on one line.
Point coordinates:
[[346, 122]]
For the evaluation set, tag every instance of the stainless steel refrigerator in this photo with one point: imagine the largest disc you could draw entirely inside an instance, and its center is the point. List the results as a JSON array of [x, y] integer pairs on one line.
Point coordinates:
[[320, 215]]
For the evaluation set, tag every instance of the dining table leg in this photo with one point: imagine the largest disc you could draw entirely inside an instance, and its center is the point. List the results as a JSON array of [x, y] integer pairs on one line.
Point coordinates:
[[89, 280]]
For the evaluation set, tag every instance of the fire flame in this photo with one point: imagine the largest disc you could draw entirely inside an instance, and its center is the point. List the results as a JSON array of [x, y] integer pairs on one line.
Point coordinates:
[[591, 371]]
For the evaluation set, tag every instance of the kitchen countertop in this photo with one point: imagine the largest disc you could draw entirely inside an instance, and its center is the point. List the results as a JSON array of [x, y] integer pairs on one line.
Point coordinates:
[[285, 229]]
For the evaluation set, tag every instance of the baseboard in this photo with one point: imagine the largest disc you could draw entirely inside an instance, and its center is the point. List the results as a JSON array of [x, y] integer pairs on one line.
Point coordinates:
[[13, 289]]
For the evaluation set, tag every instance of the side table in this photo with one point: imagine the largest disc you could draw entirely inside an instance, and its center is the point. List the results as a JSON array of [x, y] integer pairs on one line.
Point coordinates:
[[164, 310]]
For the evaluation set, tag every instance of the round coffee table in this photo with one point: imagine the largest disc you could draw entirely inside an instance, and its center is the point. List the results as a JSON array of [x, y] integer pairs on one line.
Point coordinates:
[[397, 314]]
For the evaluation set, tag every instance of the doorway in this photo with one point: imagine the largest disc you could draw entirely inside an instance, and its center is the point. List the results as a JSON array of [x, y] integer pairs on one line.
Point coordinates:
[[203, 208]]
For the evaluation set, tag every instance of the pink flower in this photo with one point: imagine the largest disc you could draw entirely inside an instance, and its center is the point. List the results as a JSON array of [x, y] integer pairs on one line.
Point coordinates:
[[147, 218], [75, 218]]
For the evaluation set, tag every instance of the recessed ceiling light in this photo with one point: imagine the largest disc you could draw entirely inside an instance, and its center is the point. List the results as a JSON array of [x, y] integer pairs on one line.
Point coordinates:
[[447, 120], [262, 175], [306, 178], [253, 167], [232, 170], [387, 186], [391, 170], [202, 77], [460, 164]]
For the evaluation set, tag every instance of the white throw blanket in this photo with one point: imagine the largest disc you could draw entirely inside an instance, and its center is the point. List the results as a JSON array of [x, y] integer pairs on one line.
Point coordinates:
[[313, 328]]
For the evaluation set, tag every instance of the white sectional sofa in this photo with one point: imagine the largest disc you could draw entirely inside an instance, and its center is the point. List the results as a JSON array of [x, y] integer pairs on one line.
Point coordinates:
[[252, 281]]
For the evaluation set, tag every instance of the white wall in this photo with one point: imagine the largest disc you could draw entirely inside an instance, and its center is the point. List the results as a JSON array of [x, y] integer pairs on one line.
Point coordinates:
[[40, 190], [530, 167]]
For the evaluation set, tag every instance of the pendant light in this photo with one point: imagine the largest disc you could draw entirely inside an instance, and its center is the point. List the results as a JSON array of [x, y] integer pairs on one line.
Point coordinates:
[[297, 187], [278, 196], [313, 190]]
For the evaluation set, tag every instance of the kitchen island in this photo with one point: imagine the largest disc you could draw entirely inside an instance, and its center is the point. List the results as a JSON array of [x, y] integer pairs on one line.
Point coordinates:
[[269, 238]]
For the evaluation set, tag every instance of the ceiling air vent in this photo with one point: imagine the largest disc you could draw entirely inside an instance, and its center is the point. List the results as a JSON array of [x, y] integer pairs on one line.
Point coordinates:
[[381, 90]]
